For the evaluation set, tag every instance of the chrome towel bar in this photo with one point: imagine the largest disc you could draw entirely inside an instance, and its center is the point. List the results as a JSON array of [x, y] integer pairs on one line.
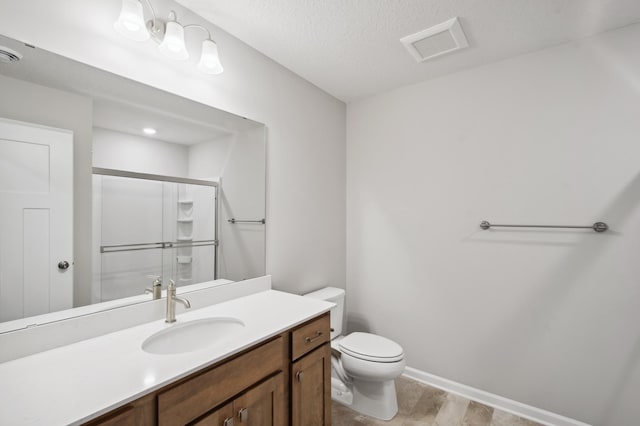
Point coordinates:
[[234, 220], [598, 226]]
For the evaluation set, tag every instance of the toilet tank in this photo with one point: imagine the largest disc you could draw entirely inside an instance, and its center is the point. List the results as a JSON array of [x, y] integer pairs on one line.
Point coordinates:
[[334, 295]]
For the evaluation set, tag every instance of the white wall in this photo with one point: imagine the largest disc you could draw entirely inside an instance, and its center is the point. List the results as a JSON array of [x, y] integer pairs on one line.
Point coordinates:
[[242, 197], [208, 159], [121, 151], [547, 318], [306, 127]]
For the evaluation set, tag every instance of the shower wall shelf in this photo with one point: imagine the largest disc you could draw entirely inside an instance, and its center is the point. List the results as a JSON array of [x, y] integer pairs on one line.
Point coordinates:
[[597, 227], [184, 252]]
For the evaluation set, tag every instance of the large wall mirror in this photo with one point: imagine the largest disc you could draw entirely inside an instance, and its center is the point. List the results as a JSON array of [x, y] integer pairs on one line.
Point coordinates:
[[108, 185]]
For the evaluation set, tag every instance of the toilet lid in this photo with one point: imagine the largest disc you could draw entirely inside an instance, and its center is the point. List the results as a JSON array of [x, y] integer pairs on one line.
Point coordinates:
[[371, 347]]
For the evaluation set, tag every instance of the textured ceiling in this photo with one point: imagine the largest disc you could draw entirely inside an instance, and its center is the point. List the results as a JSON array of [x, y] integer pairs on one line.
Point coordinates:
[[351, 48]]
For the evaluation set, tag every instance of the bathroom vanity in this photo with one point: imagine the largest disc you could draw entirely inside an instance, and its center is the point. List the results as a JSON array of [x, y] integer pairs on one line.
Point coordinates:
[[260, 386], [273, 370]]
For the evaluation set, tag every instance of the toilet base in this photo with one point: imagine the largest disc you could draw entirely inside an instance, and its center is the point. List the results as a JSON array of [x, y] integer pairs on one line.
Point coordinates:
[[374, 399], [341, 392]]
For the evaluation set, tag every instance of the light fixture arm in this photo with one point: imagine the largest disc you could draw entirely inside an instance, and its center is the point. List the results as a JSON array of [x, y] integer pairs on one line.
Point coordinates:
[[153, 12], [154, 29], [202, 28]]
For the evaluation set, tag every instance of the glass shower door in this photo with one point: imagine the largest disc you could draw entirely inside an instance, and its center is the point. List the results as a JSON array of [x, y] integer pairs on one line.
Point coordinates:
[[147, 229]]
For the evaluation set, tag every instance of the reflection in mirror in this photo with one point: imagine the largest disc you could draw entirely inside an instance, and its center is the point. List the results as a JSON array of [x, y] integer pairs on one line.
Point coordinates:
[[108, 185], [151, 229]]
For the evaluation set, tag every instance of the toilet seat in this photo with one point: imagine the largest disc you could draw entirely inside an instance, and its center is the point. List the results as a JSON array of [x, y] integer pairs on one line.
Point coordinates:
[[371, 347]]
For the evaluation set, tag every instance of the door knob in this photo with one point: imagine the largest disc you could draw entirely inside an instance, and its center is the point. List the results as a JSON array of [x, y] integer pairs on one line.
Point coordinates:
[[63, 264]]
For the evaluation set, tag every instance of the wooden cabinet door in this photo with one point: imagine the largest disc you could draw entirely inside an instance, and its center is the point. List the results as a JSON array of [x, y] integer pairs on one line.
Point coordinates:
[[264, 405], [223, 416], [311, 389]]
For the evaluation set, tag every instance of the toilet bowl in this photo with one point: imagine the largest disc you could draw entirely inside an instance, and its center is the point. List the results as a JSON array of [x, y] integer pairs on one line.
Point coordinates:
[[363, 365]]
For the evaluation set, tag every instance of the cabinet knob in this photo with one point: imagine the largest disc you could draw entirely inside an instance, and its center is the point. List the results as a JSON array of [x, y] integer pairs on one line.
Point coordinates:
[[299, 375], [63, 264], [228, 421], [243, 415]]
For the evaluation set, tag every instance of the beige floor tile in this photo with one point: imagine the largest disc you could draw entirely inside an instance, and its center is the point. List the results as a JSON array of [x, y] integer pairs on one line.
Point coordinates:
[[422, 405], [409, 392], [428, 406], [477, 415], [500, 418], [341, 415], [452, 411]]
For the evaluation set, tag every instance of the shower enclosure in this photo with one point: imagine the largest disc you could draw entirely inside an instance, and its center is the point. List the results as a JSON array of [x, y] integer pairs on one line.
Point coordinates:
[[148, 227]]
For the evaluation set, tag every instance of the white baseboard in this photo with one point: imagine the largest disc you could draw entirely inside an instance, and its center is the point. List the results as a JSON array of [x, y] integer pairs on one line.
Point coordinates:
[[510, 406]]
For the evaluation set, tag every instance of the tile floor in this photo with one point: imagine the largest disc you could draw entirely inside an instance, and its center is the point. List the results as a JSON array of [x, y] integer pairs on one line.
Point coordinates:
[[420, 404]]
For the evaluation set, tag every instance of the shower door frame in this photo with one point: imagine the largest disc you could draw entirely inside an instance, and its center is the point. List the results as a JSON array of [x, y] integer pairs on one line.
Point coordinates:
[[173, 179]]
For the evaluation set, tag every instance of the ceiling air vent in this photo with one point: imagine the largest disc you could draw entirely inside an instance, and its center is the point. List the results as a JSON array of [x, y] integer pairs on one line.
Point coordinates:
[[443, 38], [9, 55]]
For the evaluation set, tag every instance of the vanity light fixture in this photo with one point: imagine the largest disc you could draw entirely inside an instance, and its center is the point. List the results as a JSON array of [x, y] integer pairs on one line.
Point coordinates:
[[168, 34], [130, 23]]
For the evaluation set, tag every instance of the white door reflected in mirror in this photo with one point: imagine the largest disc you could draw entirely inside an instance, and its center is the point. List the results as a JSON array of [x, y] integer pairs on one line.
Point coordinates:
[[36, 219]]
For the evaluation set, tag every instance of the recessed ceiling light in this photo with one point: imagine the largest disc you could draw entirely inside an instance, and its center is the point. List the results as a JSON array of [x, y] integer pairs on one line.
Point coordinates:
[[149, 131], [9, 55]]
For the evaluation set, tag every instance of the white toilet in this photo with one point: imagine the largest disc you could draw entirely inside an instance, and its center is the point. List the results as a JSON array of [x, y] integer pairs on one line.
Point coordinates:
[[363, 365]]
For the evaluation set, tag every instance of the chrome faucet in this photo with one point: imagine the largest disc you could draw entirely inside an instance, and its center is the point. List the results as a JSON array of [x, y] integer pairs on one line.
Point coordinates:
[[171, 302], [155, 289]]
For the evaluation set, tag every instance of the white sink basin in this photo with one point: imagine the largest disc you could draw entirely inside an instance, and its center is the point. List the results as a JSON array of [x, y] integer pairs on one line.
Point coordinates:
[[191, 335]]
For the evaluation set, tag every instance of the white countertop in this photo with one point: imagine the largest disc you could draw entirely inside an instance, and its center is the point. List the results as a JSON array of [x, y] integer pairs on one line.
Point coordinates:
[[75, 383]]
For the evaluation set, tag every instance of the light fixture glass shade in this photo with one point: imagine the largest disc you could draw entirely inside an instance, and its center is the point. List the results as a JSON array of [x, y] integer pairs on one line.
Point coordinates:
[[209, 60], [172, 44], [130, 23]]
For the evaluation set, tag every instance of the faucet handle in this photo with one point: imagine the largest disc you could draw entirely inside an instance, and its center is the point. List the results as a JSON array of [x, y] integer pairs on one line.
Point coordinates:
[[172, 284]]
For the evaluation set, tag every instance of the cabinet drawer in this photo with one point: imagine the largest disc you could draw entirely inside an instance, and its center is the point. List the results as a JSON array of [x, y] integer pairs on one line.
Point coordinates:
[[310, 335], [196, 396]]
